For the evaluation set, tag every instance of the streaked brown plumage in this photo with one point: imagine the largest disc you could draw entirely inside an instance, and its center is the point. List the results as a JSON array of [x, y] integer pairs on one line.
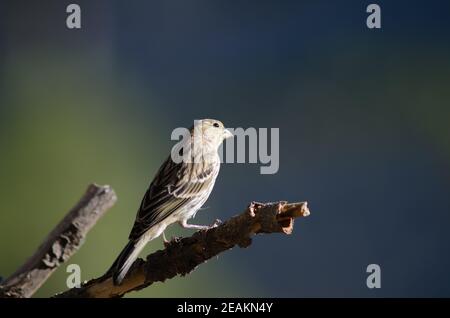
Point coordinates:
[[177, 192]]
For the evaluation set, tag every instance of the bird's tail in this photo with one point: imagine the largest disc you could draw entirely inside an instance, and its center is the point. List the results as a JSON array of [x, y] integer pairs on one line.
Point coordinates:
[[126, 258]]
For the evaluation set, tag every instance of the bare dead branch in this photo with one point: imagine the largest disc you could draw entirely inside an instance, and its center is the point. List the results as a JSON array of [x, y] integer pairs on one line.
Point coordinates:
[[181, 256], [64, 240]]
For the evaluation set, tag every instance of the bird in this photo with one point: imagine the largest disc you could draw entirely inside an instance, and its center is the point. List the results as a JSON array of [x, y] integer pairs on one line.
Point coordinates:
[[178, 190]]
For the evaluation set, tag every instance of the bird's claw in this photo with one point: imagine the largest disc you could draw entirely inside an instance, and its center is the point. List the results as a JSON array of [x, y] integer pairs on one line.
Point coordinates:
[[173, 239], [216, 223]]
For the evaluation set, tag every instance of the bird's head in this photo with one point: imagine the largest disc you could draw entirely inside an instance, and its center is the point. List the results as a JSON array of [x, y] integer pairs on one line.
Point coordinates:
[[211, 131]]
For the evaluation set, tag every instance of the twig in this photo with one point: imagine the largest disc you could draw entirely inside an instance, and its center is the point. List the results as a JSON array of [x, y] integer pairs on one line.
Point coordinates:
[[181, 256], [65, 239]]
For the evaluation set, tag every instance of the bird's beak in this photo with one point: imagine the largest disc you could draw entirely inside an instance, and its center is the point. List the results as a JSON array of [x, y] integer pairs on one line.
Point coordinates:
[[227, 134]]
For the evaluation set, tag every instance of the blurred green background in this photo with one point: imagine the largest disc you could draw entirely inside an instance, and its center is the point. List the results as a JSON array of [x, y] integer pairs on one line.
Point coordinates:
[[68, 119], [363, 118]]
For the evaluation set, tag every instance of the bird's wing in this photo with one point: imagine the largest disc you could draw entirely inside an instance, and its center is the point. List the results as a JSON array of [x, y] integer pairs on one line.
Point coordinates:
[[174, 186]]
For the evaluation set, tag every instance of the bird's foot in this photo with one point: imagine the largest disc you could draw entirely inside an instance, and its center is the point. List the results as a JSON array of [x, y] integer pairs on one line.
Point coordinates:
[[216, 223], [167, 242]]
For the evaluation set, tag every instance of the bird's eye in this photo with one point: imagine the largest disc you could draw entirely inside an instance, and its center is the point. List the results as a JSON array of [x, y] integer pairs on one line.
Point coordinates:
[[216, 125]]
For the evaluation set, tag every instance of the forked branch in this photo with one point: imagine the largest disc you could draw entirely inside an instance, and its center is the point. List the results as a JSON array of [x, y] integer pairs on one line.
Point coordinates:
[[180, 257]]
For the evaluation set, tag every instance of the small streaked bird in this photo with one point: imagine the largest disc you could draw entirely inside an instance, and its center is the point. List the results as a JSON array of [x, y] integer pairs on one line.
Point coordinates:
[[177, 192]]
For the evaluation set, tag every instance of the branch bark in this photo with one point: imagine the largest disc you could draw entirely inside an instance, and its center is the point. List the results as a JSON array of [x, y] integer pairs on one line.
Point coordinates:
[[65, 239], [181, 256]]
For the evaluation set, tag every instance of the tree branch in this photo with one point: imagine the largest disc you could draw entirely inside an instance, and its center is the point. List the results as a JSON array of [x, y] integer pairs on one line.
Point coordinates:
[[181, 256], [65, 239]]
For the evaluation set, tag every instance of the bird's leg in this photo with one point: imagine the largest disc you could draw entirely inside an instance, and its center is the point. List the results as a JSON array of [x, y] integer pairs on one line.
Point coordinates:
[[185, 225], [164, 238], [166, 243]]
